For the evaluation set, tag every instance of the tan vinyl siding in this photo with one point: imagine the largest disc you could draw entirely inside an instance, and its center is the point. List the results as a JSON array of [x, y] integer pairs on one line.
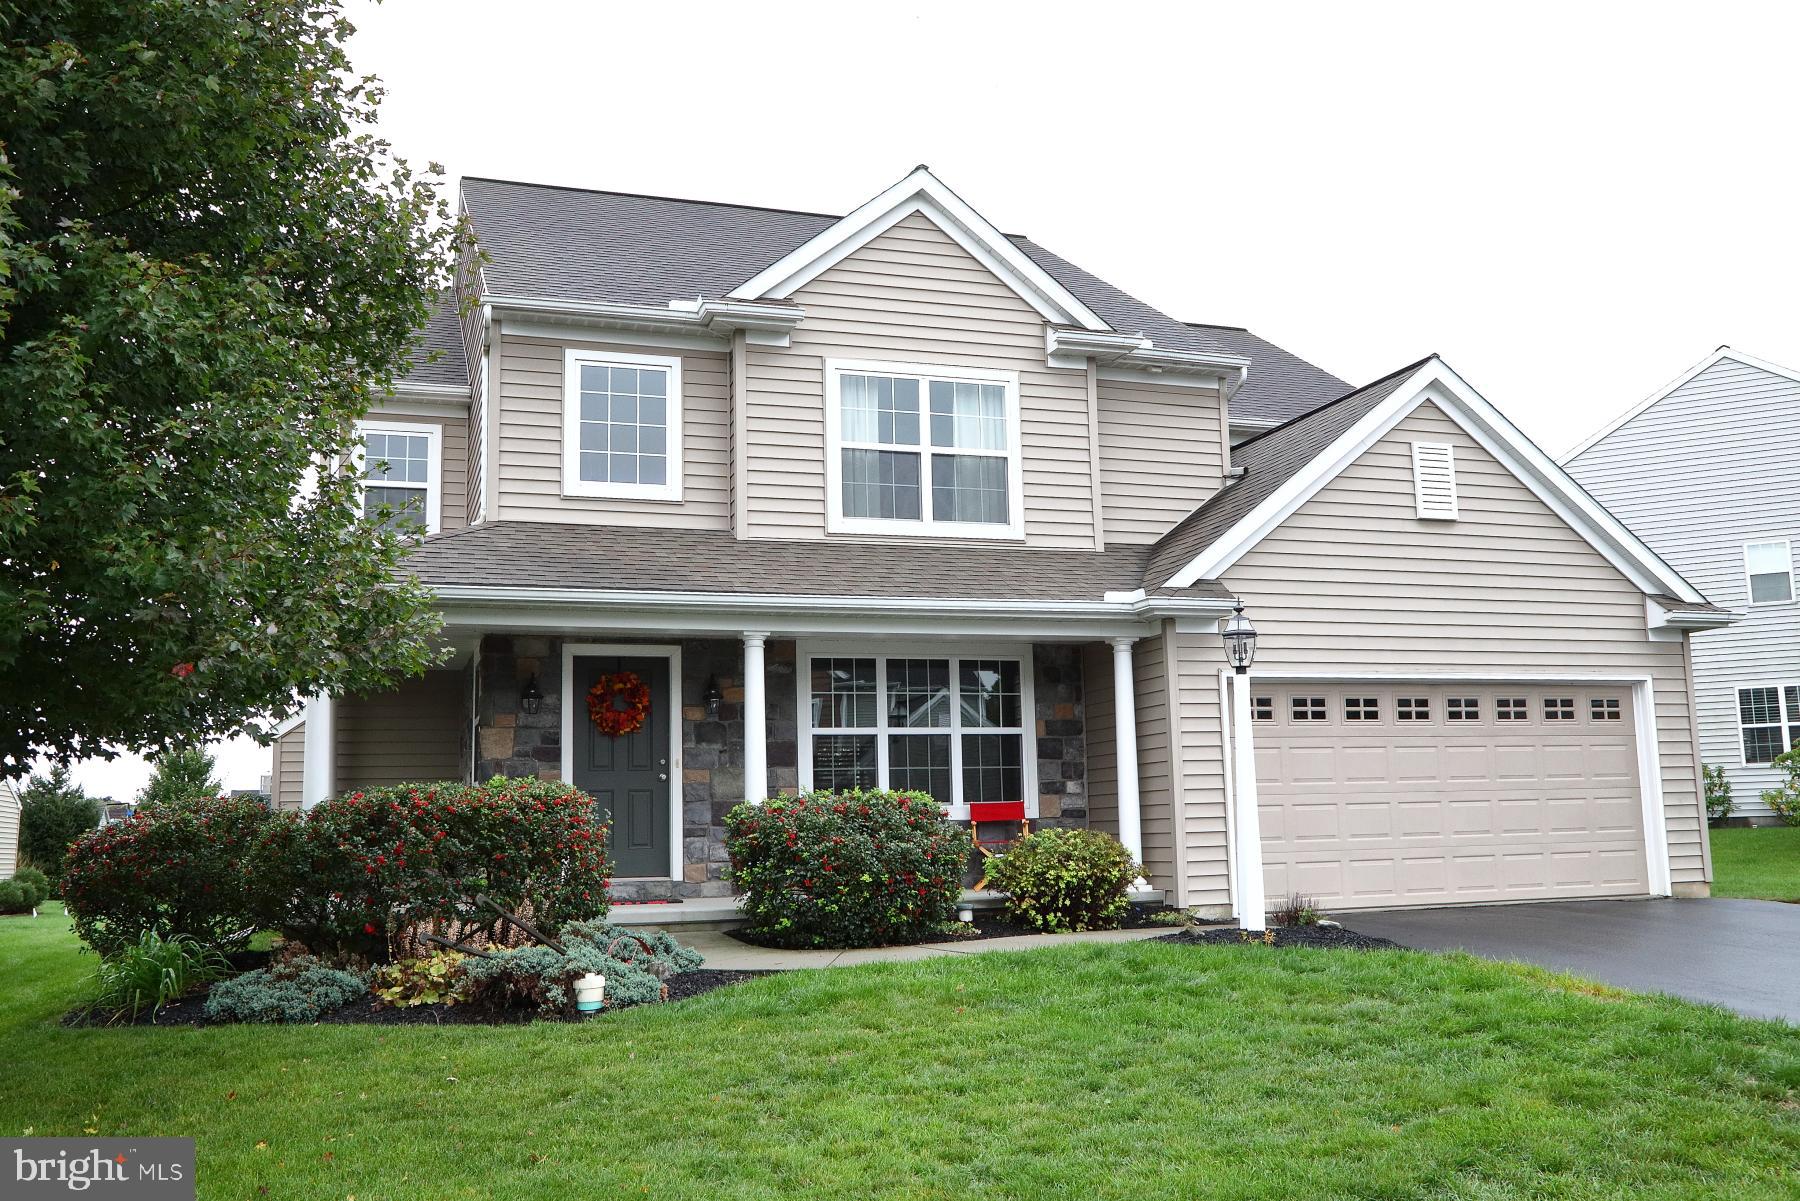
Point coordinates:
[[1698, 474], [411, 734], [1354, 582], [453, 466], [530, 394], [1160, 456], [287, 768], [1156, 807], [913, 295]]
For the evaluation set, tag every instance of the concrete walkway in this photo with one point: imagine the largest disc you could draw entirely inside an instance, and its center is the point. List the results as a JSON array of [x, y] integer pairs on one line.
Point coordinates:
[[1737, 954], [728, 954]]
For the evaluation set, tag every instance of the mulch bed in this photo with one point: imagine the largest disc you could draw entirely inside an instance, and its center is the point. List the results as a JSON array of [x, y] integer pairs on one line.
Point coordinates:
[[1287, 936], [988, 923], [364, 1011]]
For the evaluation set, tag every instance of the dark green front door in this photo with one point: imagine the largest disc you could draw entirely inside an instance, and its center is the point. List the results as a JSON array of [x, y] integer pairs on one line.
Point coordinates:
[[628, 776]]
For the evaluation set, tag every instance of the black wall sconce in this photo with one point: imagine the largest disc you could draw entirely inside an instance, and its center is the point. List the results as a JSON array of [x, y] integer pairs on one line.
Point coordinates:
[[529, 696], [712, 698]]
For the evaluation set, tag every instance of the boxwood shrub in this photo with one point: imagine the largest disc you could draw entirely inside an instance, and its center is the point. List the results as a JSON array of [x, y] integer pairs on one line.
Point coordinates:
[[189, 867], [846, 869], [1061, 880], [365, 866]]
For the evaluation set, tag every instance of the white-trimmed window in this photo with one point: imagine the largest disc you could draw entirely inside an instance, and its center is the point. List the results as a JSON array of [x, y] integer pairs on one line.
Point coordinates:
[[1769, 720], [959, 728], [922, 450], [621, 425], [1769, 569], [401, 466]]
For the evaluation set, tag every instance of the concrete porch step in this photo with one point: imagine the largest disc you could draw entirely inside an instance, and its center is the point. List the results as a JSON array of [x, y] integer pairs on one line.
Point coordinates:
[[721, 913]]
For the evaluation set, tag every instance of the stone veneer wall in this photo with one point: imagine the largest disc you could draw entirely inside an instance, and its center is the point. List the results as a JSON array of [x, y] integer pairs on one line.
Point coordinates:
[[1061, 735], [513, 743]]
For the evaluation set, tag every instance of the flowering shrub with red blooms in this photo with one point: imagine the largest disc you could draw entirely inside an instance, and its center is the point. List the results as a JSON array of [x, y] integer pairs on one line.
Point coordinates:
[[368, 867], [846, 869], [189, 867]]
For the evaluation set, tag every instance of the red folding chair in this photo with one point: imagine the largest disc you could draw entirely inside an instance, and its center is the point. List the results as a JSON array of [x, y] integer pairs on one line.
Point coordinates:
[[991, 812]]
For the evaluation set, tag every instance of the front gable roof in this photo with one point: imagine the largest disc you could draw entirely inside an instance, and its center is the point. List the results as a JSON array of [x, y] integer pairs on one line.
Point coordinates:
[[1686, 377], [1285, 467]]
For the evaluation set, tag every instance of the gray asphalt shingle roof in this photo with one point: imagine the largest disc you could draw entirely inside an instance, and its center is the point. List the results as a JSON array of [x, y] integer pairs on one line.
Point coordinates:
[[437, 354], [621, 248], [607, 558], [1269, 460]]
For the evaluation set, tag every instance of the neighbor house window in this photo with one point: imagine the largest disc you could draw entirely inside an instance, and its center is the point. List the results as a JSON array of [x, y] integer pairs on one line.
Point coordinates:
[[399, 465], [1769, 718], [922, 450], [1770, 568], [621, 425], [955, 728]]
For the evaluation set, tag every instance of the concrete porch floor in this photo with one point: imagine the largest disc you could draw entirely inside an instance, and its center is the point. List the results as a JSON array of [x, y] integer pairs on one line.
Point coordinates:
[[726, 953]]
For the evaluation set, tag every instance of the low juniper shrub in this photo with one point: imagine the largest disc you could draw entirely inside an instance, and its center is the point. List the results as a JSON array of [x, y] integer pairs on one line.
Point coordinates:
[[541, 979], [369, 869], [296, 989], [846, 869], [191, 867], [1062, 880]]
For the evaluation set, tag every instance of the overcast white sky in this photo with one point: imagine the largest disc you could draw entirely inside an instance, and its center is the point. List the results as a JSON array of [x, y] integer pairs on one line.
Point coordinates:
[[1572, 204]]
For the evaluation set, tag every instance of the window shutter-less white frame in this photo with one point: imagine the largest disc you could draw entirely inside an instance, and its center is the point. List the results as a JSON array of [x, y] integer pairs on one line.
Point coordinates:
[[1434, 480]]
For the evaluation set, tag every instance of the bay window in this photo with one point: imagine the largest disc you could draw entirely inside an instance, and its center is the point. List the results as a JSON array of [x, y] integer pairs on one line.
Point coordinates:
[[955, 727], [621, 425], [399, 466], [925, 450]]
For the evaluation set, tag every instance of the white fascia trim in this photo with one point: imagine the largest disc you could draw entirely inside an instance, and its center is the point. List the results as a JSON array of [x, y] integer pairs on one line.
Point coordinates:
[[702, 324], [1436, 382], [1130, 357], [921, 192], [1724, 352], [410, 403]]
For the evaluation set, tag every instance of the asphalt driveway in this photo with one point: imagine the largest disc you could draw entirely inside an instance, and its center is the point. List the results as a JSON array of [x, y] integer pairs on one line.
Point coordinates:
[[1743, 955]]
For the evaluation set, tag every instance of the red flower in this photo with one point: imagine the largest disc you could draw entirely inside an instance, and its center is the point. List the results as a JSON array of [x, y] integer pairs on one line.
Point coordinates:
[[368, 927], [182, 671]]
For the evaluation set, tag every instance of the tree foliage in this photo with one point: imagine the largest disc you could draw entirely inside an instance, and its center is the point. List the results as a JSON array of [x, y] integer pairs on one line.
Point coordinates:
[[208, 265], [53, 812], [182, 774]]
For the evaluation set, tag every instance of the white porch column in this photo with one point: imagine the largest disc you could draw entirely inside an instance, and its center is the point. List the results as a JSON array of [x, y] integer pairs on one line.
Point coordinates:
[[756, 733], [1246, 826], [1131, 831], [318, 751]]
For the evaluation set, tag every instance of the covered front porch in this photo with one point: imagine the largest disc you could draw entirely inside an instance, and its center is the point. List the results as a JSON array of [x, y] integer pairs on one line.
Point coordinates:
[[971, 718]]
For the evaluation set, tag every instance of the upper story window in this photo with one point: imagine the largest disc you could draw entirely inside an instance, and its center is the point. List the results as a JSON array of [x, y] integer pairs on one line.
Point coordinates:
[[400, 468], [922, 450], [1770, 569], [621, 425]]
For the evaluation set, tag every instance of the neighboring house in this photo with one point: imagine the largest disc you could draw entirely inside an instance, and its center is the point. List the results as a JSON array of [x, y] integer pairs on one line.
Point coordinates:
[[9, 829], [1707, 471], [896, 499]]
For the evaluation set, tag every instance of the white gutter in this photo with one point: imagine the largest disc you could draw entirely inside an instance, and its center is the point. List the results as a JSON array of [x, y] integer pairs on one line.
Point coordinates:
[[765, 324]]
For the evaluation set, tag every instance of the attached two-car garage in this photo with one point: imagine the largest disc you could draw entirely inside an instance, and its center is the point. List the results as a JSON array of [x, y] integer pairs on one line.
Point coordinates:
[[1431, 794]]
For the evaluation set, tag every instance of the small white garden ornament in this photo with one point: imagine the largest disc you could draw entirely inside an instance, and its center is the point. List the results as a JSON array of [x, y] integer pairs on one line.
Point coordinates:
[[590, 991]]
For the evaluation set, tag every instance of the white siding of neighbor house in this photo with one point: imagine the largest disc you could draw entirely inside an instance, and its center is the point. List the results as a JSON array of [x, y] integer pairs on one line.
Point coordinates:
[[453, 465], [9, 830], [1160, 456], [1353, 581], [530, 395], [1709, 467], [913, 295]]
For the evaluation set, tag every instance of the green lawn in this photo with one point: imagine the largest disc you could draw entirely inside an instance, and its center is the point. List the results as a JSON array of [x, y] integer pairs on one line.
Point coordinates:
[[1130, 1071], [1762, 862]]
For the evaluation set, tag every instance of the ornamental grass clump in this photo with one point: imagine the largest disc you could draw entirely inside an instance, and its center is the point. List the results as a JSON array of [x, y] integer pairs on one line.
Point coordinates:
[[1064, 880], [193, 867], [371, 869], [846, 869]]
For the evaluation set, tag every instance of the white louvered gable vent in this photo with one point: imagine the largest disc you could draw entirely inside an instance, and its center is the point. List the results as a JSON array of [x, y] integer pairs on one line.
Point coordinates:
[[1434, 480]]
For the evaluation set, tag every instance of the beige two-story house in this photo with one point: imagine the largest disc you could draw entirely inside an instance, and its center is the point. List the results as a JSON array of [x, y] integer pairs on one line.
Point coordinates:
[[897, 499]]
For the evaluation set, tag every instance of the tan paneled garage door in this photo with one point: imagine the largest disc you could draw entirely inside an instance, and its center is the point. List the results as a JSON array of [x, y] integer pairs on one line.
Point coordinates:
[[1437, 794]]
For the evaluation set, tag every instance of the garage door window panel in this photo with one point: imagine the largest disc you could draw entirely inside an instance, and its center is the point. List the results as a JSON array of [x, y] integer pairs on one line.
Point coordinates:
[[1559, 708], [1413, 708], [1462, 708], [1512, 708]]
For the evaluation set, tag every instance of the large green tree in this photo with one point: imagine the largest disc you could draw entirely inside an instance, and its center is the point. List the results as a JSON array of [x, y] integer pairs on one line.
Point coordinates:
[[208, 265], [181, 774], [53, 812]]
